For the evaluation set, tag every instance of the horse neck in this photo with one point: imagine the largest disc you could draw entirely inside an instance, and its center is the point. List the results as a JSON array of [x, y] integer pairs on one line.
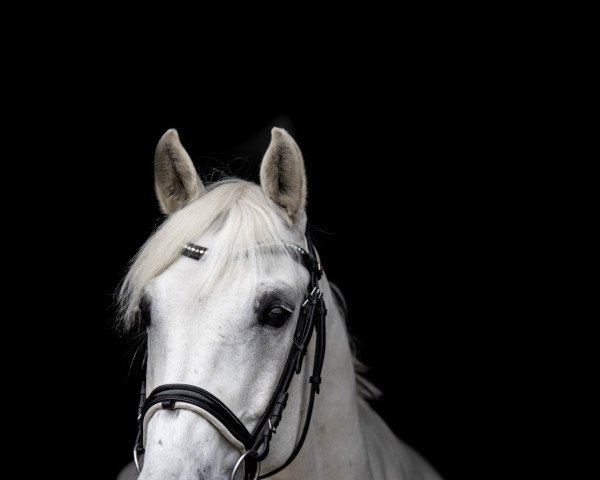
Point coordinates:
[[335, 447]]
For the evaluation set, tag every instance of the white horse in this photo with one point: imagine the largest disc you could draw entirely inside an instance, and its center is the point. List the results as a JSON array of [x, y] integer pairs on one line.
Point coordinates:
[[226, 323]]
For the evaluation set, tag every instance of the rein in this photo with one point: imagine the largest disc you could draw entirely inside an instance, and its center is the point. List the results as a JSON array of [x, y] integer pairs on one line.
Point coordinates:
[[253, 445]]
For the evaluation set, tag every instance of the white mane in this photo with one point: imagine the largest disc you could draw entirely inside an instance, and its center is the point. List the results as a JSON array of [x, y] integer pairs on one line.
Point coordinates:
[[237, 215]]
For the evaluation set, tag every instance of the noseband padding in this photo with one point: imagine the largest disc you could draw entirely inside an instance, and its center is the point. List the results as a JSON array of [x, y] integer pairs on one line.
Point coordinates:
[[197, 400]]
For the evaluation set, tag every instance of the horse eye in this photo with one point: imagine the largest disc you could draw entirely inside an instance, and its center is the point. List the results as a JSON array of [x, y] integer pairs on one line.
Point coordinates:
[[145, 312], [276, 315]]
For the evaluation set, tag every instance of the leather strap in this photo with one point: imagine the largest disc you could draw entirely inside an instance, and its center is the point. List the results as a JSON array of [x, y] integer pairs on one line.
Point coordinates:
[[315, 381], [312, 317]]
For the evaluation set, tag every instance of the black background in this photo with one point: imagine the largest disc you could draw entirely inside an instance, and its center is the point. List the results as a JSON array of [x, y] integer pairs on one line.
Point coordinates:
[[404, 226], [441, 123]]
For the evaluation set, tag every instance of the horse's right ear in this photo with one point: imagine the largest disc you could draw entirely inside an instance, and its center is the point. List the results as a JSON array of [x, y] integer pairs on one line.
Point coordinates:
[[175, 179]]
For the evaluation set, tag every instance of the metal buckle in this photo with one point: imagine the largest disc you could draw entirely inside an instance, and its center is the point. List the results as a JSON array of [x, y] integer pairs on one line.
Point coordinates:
[[310, 296], [273, 430], [240, 461]]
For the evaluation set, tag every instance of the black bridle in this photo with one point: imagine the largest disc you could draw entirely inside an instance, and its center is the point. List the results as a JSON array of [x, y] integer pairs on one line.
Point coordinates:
[[256, 443]]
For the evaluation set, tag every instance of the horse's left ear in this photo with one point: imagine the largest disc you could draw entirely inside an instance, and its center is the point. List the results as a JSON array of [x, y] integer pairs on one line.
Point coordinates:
[[282, 173]]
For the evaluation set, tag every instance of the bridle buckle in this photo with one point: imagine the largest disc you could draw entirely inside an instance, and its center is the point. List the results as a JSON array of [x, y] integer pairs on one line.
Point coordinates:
[[314, 294], [272, 428]]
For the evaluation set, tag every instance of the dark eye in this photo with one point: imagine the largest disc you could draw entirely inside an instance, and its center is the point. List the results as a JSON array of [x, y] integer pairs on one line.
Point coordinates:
[[145, 312], [276, 315]]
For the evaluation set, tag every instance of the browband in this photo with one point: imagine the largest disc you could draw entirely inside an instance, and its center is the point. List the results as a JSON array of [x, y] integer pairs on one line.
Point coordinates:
[[196, 252]]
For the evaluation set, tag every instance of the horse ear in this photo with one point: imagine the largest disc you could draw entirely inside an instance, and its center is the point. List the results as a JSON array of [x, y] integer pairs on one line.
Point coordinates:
[[282, 173], [175, 179]]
